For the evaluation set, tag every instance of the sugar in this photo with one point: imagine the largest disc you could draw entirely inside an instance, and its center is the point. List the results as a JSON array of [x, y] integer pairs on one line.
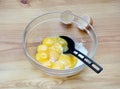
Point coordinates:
[[80, 47]]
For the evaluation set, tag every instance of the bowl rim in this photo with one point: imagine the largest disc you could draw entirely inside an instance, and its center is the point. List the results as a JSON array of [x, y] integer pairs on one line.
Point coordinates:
[[48, 69]]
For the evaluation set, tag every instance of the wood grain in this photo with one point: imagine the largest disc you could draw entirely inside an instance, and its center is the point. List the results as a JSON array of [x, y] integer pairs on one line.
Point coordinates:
[[17, 73]]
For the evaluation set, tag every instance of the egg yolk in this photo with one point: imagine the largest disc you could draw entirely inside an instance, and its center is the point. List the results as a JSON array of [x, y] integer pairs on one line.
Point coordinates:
[[42, 57], [50, 54], [48, 42], [58, 65], [42, 48]]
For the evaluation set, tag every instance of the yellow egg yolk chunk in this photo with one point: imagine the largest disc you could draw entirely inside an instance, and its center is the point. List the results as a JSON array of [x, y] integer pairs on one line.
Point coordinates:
[[42, 48], [48, 42], [42, 57], [58, 65]]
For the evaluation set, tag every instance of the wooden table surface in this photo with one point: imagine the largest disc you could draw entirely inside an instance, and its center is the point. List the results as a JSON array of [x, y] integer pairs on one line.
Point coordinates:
[[17, 73]]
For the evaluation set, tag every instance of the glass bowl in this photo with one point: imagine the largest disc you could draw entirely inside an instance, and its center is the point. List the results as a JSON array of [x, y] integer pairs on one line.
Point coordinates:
[[50, 24]]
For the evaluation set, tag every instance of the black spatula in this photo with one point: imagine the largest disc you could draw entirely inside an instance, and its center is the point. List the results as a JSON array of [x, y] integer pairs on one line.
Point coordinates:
[[85, 59]]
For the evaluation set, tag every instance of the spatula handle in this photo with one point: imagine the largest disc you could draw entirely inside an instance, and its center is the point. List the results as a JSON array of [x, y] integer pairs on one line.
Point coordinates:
[[89, 62]]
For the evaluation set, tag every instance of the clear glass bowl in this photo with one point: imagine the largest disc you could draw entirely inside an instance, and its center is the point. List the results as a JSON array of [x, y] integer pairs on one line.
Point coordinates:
[[48, 25]]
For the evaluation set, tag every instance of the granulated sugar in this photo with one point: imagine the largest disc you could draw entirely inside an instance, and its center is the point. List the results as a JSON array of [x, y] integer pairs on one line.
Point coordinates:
[[80, 47]]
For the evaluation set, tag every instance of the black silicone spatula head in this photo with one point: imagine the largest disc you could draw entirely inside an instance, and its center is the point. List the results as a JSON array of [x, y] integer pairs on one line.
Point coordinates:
[[71, 44], [85, 59]]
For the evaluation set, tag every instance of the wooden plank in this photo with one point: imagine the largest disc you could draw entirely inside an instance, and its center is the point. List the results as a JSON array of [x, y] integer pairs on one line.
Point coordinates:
[[17, 73]]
